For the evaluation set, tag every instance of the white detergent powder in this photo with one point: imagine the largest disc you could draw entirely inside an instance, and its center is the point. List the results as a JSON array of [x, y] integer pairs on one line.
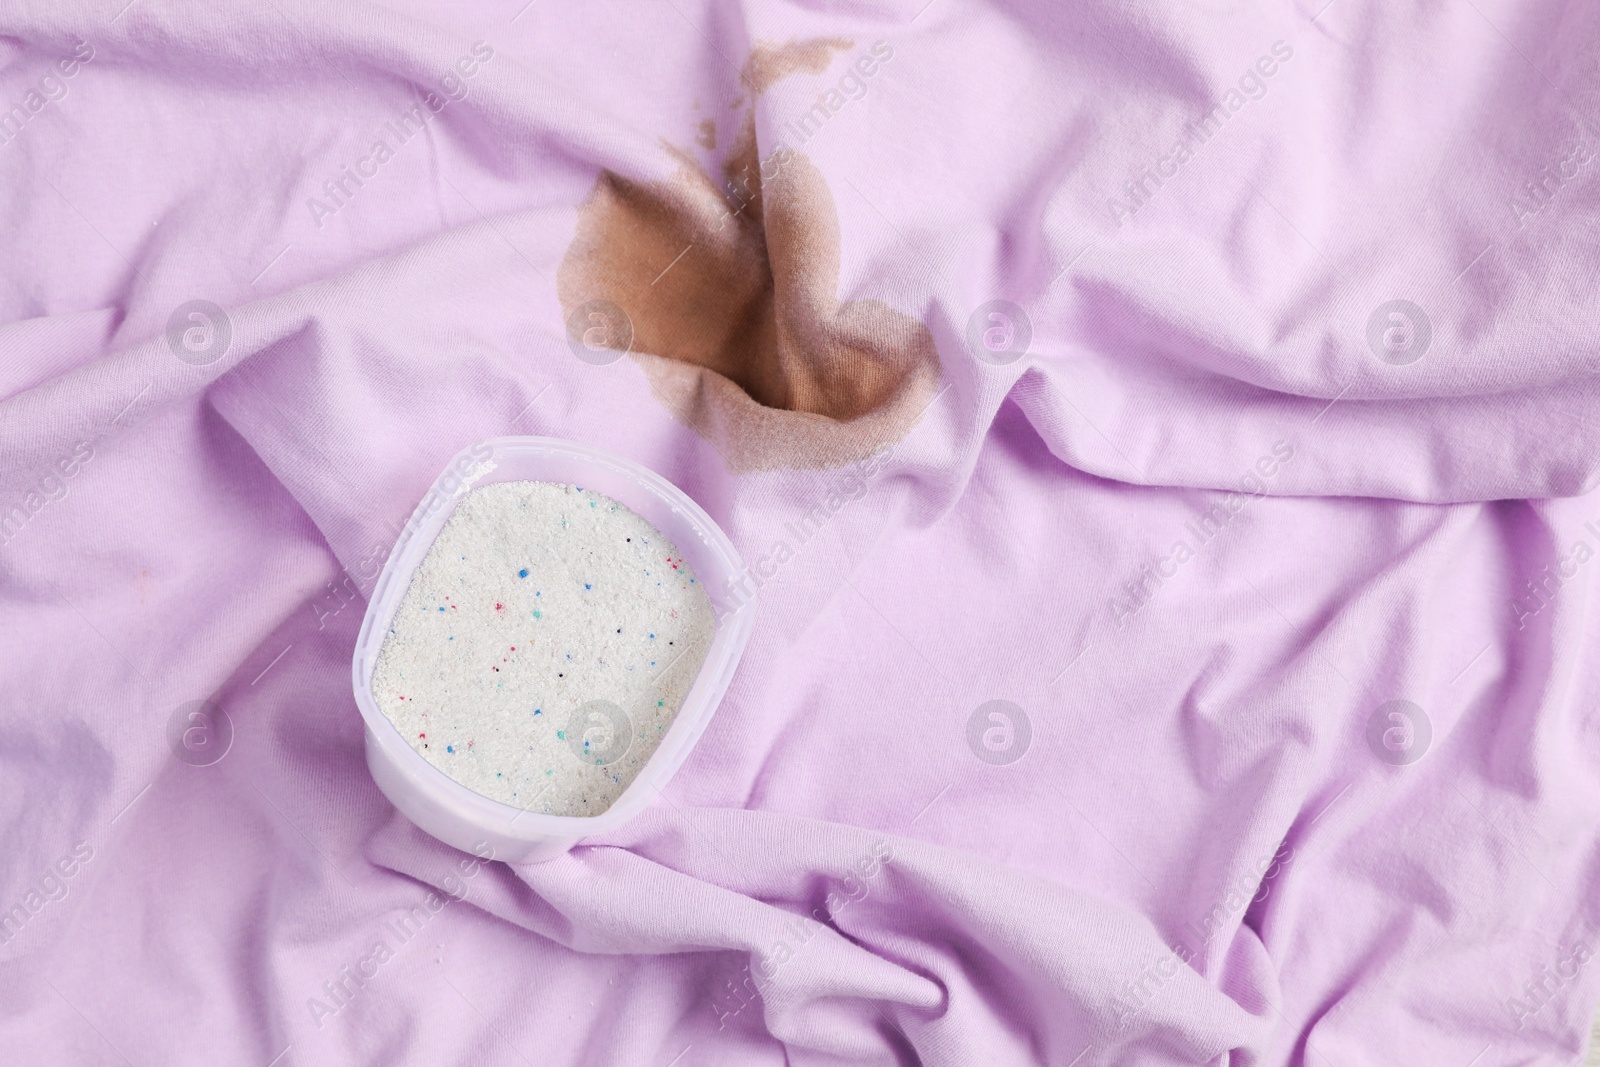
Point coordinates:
[[544, 646]]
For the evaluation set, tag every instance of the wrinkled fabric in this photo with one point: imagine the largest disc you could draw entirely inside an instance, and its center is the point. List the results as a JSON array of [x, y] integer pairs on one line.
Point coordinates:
[[1330, 329]]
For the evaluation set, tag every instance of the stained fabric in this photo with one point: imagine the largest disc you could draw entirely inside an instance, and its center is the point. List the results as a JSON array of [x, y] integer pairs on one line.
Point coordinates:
[[1161, 440]]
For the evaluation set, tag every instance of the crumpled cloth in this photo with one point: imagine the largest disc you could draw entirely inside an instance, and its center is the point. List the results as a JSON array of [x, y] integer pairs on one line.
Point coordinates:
[[1264, 502]]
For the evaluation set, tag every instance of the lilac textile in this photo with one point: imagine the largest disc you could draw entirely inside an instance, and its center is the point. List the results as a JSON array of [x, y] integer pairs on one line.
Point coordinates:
[[1280, 537]]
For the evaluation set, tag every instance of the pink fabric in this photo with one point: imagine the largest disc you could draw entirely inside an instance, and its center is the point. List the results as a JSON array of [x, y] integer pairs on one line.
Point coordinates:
[[1202, 856]]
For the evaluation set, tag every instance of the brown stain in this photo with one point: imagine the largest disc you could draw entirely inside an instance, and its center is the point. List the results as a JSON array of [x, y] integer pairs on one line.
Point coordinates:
[[707, 136], [770, 62], [731, 287]]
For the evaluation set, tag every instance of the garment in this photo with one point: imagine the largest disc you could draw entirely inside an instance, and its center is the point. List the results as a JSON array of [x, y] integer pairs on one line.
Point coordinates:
[[1213, 387]]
